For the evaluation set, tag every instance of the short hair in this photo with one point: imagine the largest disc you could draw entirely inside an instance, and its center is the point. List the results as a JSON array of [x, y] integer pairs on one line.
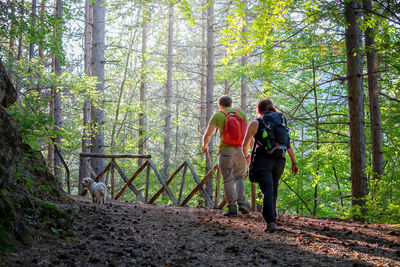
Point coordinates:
[[264, 105], [225, 101]]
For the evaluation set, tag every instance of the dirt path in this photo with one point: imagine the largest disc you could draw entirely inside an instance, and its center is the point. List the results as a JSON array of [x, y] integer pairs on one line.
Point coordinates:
[[136, 234]]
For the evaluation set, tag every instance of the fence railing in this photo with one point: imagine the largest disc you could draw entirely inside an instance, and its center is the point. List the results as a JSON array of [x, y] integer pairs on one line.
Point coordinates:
[[217, 200]]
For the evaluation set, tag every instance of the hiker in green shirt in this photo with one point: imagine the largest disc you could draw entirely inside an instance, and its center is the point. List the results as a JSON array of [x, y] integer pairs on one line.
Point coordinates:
[[231, 161]]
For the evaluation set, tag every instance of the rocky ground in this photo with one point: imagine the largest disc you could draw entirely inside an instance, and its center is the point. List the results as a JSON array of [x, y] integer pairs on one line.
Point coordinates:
[[136, 234]]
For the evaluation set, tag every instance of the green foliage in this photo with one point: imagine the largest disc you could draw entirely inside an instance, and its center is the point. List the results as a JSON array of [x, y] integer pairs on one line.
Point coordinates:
[[16, 21]]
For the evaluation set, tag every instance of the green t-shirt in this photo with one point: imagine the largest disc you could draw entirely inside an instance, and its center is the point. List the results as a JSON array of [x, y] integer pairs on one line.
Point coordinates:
[[218, 119]]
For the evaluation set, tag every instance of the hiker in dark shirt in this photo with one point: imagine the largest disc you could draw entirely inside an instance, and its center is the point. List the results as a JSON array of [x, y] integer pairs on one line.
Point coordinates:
[[267, 168]]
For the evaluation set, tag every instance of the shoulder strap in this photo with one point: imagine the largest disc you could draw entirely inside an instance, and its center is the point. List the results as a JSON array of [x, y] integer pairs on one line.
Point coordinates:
[[223, 111], [227, 113], [253, 150]]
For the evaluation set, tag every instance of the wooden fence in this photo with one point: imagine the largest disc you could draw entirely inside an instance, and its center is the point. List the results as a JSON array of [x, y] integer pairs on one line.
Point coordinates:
[[216, 201]]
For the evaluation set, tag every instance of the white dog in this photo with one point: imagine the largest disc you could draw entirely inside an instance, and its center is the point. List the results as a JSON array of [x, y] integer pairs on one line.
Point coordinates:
[[97, 190]]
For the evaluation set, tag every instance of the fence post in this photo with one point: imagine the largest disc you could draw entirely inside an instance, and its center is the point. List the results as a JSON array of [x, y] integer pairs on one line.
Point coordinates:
[[112, 179], [147, 182]]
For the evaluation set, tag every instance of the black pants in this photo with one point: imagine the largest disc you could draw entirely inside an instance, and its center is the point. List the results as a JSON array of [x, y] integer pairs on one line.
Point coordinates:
[[269, 171]]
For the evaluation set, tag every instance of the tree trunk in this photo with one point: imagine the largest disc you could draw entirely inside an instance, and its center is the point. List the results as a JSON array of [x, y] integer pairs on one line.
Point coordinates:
[[243, 81], [210, 88], [176, 131], [40, 49], [83, 170], [58, 168], [50, 153], [168, 95], [12, 41], [19, 55], [373, 93], [142, 96], [42, 8], [316, 138], [203, 121], [97, 113], [356, 104], [33, 24]]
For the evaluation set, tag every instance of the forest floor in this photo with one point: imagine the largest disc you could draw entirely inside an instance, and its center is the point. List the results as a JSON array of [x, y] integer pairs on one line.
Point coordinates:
[[137, 234]]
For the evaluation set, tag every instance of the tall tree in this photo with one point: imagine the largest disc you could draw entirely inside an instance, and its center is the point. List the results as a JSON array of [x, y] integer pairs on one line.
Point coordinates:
[[83, 170], [57, 94], [97, 111], [210, 87], [168, 94], [352, 13], [203, 121], [142, 96], [317, 138], [19, 52], [243, 80], [33, 24], [373, 93], [12, 41]]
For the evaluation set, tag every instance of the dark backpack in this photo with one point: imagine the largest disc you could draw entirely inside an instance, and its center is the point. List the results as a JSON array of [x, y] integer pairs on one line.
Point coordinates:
[[235, 128], [275, 134]]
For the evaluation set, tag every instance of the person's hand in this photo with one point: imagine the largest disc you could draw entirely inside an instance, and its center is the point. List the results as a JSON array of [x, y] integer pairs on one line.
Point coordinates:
[[204, 149], [295, 169], [248, 159]]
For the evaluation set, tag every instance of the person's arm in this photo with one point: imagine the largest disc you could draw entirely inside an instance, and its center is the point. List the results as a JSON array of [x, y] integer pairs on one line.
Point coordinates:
[[248, 139], [295, 169], [207, 137]]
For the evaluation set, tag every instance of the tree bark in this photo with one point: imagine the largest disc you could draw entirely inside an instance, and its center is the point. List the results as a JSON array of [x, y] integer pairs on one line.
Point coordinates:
[[19, 55], [142, 96], [12, 41], [356, 104], [42, 8], [168, 95], [316, 137], [40, 48], [58, 168], [373, 93], [83, 170], [210, 88], [97, 113], [203, 121], [33, 23], [243, 80]]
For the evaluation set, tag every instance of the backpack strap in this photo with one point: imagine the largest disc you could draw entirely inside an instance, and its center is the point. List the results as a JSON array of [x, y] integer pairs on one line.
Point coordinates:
[[223, 111], [227, 113]]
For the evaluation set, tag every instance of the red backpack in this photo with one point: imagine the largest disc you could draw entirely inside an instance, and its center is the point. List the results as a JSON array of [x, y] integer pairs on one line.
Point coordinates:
[[235, 128]]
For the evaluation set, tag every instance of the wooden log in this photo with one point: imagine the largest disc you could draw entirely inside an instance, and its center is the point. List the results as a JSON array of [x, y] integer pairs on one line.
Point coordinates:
[[147, 182], [162, 189], [199, 186], [217, 188], [129, 182], [112, 179], [103, 172], [222, 204], [182, 183], [161, 180], [95, 155], [92, 173], [197, 180]]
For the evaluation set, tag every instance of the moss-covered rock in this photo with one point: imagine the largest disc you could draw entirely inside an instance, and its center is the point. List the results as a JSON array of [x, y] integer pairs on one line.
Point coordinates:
[[7, 218]]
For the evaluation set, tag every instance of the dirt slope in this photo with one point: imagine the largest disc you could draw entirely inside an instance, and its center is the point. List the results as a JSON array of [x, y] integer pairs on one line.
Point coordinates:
[[136, 234]]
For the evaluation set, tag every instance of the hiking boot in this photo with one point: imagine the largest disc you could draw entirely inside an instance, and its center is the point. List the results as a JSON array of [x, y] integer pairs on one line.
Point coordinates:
[[244, 209], [271, 227], [231, 213]]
